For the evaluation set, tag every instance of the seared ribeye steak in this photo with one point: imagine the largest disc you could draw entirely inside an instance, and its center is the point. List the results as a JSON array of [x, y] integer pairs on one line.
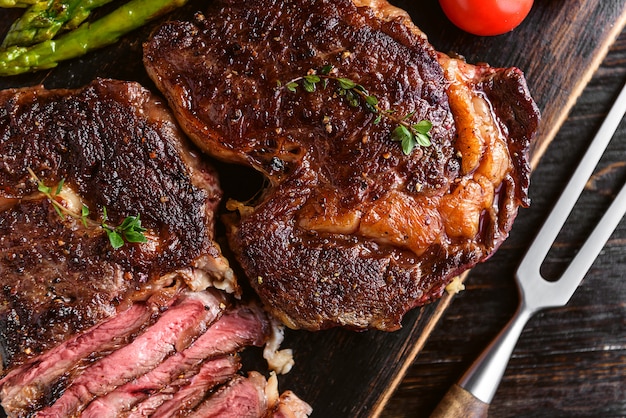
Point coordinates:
[[180, 358], [351, 230], [115, 147]]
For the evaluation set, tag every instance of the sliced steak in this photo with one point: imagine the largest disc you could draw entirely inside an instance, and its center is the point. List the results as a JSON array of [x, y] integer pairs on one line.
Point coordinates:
[[128, 399], [27, 385], [350, 231], [243, 397], [192, 391], [116, 147], [173, 331], [236, 329]]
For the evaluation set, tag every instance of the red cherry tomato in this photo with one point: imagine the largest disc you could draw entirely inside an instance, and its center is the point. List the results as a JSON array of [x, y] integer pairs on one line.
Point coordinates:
[[486, 17]]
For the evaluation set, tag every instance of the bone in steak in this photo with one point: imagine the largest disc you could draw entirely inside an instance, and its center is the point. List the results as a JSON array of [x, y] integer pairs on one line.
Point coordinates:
[[350, 231]]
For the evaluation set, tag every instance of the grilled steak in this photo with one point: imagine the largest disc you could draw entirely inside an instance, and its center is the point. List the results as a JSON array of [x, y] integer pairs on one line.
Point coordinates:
[[31, 383], [116, 148], [237, 328], [177, 327], [242, 397], [192, 391], [351, 231], [87, 328]]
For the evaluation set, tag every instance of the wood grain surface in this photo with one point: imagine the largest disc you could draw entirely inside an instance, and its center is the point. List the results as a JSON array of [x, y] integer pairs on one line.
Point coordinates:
[[346, 374], [570, 361]]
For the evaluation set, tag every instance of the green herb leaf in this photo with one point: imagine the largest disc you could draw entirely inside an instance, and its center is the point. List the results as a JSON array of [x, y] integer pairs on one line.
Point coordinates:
[[371, 100], [370, 103], [326, 69], [59, 186], [309, 82], [379, 117], [312, 78], [43, 188], [57, 209], [308, 86], [400, 133], [115, 239], [403, 135], [353, 99], [292, 86], [84, 213], [132, 230], [423, 126], [135, 236], [408, 145], [127, 223], [422, 132], [346, 83], [423, 140]]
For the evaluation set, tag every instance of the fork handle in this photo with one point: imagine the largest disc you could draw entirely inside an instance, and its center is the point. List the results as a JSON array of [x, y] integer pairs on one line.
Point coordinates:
[[460, 403], [471, 396]]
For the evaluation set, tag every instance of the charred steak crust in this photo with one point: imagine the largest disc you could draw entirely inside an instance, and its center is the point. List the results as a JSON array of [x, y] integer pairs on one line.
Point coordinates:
[[116, 146], [351, 232]]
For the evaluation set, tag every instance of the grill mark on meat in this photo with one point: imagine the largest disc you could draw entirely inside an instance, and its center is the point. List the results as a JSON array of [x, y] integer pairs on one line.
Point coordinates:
[[188, 316], [242, 397], [234, 330], [350, 232], [117, 146]]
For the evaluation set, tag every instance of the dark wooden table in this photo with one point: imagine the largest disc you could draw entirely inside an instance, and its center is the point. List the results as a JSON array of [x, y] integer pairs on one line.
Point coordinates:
[[571, 361]]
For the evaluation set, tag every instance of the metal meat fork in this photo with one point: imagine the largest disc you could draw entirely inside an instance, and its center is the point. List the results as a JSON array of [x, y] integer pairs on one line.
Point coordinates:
[[471, 395]]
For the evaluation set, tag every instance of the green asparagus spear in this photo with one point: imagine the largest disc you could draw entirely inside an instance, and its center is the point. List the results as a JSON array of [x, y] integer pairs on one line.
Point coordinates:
[[89, 36], [37, 24], [8, 4], [44, 19], [82, 12]]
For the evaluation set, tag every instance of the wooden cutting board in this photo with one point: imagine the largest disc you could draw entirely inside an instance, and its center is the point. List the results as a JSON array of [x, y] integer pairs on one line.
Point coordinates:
[[559, 46]]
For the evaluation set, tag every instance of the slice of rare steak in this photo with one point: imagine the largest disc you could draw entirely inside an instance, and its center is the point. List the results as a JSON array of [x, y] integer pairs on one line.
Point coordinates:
[[188, 317], [105, 152], [354, 228], [237, 328]]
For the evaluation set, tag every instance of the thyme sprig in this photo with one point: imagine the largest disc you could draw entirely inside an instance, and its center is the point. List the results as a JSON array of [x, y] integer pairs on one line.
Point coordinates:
[[130, 230], [409, 133]]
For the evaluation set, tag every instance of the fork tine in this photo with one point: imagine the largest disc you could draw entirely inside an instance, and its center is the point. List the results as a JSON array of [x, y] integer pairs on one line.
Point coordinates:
[[553, 224], [528, 275], [590, 250], [540, 293]]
